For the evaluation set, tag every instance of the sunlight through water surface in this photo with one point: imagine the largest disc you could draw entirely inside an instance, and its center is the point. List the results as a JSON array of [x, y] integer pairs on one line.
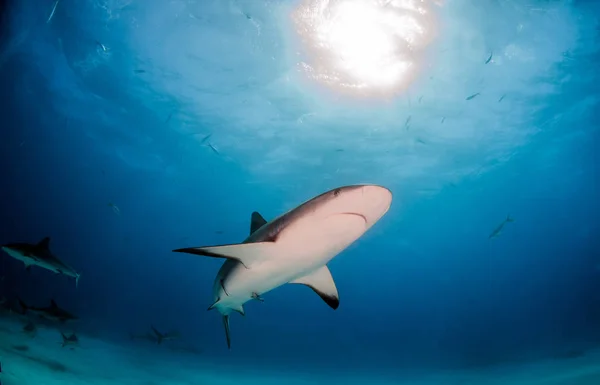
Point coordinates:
[[369, 46]]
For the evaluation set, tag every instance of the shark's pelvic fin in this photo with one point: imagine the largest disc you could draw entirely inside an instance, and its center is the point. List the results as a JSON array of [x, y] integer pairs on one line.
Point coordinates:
[[227, 333], [44, 244], [256, 222], [322, 283], [247, 254]]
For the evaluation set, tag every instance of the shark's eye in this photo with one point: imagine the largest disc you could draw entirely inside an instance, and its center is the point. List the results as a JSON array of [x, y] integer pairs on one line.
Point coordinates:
[[336, 192]]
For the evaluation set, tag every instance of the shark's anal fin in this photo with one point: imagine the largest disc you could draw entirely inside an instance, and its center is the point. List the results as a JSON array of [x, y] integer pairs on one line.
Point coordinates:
[[322, 283], [247, 254], [44, 244], [227, 332], [256, 222]]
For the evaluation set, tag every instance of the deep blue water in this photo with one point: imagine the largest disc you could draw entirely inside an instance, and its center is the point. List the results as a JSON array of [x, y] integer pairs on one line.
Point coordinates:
[[425, 288]]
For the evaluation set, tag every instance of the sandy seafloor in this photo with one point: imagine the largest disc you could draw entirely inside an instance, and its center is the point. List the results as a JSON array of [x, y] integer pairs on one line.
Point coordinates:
[[42, 361]]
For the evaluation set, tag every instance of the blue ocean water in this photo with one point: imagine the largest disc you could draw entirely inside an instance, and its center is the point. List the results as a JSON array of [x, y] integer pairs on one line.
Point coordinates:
[[132, 128]]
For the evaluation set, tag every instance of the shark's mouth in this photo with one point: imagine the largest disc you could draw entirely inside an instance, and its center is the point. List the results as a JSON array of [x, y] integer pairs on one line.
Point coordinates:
[[358, 215]]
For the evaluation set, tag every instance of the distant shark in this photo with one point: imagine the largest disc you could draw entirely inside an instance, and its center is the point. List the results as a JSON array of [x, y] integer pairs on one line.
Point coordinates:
[[498, 230], [293, 248], [52, 312], [71, 340], [155, 336], [39, 254]]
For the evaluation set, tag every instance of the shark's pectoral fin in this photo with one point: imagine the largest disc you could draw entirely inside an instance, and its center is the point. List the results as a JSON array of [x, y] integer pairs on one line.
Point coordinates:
[[256, 222], [227, 333], [322, 283], [247, 254]]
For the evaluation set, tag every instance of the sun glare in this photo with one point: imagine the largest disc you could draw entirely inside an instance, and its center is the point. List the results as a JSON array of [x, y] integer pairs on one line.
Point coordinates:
[[365, 45]]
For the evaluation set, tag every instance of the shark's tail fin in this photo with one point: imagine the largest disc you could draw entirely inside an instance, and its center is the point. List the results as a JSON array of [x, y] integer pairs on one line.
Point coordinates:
[[227, 333], [23, 305], [77, 280], [509, 218], [64, 339], [159, 336]]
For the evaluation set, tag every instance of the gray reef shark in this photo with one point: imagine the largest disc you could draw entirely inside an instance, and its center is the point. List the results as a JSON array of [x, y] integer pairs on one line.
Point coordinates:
[[39, 254], [71, 340], [499, 228], [293, 248], [52, 312]]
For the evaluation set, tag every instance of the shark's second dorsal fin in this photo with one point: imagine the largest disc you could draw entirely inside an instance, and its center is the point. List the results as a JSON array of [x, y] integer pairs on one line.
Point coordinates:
[[44, 244], [256, 222], [53, 303], [322, 283]]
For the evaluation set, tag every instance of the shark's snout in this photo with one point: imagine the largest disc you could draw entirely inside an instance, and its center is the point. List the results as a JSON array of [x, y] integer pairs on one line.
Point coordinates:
[[376, 201]]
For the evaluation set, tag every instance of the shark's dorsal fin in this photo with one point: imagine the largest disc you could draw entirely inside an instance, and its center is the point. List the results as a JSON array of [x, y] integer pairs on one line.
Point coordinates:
[[322, 283], [53, 303], [44, 244], [256, 222], [247, 254]]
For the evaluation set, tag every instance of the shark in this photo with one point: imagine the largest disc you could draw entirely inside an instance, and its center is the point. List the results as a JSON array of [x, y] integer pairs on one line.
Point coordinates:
[[160, 337], [52, 312], [498, 230], [293, 248], [39, 254], [71, 340]]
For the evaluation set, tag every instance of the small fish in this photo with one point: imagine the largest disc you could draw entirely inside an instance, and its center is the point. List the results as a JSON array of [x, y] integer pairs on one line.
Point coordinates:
[[443, 119], [489, 59], [207, 137], [473, 96], [499, 228], [169, 117], [420, 98], [115, 208], [53, 10], [501, 98], [257, 297], [139, 71], [102, 46], [407, 123], [419, 140], [213, 148]]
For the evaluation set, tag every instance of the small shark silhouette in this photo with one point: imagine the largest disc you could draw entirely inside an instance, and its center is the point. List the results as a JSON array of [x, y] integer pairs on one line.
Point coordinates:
[[71, 340], [160, 337], [39, 254], [52, 312]]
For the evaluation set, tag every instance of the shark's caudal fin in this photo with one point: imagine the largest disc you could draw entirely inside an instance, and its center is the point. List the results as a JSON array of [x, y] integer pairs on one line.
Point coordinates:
[[159, 336], [509, 218], [322, 283], [44, 244], [256, 222], [227, 333], [65, 339], [247, 254], [23, 305], [77, 280]]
